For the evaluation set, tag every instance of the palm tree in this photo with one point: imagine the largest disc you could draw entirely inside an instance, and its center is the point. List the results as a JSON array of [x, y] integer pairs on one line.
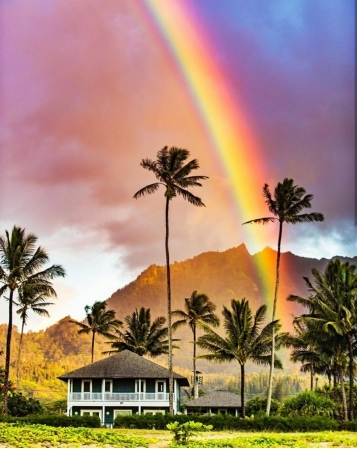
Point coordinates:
[[307, 349], [286, 206], [99, 321], [20, 262], [246, 339], [32, 297], [332, 308], [198, 309], [141, 336], [173, 173]]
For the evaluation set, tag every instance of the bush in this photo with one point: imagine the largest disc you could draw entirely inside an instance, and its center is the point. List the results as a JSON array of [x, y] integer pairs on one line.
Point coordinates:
[[257, 406], [227, 422], [56, 421], [307, 403], [184, 431], [20, 406], [348, 425]]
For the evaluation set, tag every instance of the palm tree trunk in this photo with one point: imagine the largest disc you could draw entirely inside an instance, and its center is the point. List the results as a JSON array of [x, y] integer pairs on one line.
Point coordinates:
[[195, 384], [169, 329], [312, 378], [19, 356], [343, 392], [351, 376], [7, 357], [270, 388], [242, 382], [93, 334]]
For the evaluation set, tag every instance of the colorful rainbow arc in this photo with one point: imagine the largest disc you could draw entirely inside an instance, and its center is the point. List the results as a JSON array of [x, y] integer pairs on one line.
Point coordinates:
[[224, 120]]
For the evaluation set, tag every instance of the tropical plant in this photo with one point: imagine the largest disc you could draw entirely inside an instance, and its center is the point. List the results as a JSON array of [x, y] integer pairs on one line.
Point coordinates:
[[31, 297], [20, 263], [286, 205], [99, 321], [332, 305], [246, 339], [257, 406], [183, 432], [20, 406], [307, 350], [173, 172], [307, 403], [141, 336], [198, 309]]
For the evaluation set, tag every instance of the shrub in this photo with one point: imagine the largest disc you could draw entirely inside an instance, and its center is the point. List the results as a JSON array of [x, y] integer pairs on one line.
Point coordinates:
[[227, 422], [184, 431], [20, 406], [56, 421], [258, 405], [307, 403]]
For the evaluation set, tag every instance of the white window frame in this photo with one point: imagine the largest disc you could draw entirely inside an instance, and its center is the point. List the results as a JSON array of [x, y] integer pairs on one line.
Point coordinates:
[[91, 411], [157, 386], [140, 383], [90, 385], [154, 411], [111, 386], [117, 412]]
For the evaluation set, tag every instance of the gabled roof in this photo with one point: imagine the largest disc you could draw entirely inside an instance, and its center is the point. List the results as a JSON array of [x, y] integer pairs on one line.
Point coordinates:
[[125, 364], [216, 399]]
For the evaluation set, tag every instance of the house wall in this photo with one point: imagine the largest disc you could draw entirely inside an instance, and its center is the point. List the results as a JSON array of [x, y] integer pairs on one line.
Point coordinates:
[[123, 385]]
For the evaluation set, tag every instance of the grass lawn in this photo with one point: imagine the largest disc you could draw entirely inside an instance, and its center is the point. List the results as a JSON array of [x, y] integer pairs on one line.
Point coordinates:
[[32, 436]]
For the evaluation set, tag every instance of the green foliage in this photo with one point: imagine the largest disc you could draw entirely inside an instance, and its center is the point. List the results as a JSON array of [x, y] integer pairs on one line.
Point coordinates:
[[257, 407], [307, 403], [22, 435], [227, 422], [55, 421], [20, 406], [184, 431]]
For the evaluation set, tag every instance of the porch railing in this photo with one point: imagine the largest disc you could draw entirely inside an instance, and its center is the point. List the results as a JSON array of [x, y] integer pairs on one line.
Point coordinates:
[[119, 397]]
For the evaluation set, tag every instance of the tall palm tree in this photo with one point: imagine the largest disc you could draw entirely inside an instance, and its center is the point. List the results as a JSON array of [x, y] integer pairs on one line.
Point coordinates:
[[286, 205], [99, 321], [333, 309], [32, 297], [141, 336], [21, 262], [173, 173], [246, 339], [198, 309]]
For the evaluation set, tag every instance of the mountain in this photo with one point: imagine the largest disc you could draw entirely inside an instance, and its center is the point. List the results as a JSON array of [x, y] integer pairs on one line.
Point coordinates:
[[233, 273]]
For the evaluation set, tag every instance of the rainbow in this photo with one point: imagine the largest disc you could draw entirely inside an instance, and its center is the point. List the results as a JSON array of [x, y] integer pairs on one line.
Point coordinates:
[[222, 116]]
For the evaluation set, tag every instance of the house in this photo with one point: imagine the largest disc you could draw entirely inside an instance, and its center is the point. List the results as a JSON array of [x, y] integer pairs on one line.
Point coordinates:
[[217, 402], [125, 383]]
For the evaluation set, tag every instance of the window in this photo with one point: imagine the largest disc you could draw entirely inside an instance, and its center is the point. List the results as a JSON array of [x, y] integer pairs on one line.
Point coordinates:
[[140, 385], [160, 386], [86, 385], [92, 412], [222, 411], [122, 412], [108, 386], [154, 412]]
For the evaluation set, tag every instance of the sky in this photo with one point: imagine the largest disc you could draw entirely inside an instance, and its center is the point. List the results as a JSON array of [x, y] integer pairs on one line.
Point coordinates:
[[256, 90]]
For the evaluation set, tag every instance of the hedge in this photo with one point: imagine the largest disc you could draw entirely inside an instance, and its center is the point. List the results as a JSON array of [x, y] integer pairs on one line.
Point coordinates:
[[56, 421], [227, 422]]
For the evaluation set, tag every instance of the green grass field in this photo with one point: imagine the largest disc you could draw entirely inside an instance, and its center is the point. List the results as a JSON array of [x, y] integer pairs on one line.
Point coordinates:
[[40, 436]]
